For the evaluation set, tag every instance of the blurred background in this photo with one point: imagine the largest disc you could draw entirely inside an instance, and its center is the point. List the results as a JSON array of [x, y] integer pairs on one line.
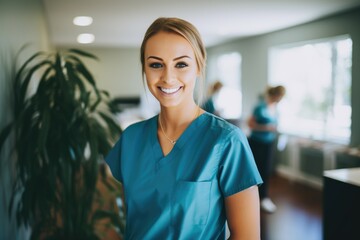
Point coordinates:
[[310, 47]]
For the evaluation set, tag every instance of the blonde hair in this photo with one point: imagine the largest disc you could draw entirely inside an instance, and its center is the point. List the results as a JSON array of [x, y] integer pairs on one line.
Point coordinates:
[[278, 91], [275, 94], [216, 87], [187, 31]]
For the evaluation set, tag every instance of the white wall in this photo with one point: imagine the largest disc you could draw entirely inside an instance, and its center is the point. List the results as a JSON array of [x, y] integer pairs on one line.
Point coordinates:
[[118, 70]]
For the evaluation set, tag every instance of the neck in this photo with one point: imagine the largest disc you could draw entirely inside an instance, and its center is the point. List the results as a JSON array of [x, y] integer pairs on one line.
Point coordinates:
[[173, 122], [175, 117]]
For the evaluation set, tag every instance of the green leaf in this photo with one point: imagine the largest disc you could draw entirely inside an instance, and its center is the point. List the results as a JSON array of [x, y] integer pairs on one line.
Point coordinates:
[[25, 83], [114, 128], [5, 133], [106, 93], [83, 53], [44, 130], [87, 75], [22, 68]]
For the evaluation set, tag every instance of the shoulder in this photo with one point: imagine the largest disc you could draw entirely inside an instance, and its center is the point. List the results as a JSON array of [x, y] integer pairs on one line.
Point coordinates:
[[260, 108], [223, 129], [139, 127], [260, 104]]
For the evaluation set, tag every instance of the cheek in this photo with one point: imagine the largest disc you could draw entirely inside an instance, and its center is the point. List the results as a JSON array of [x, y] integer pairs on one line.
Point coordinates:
[[151, 77], [189, 76], [151, 87]]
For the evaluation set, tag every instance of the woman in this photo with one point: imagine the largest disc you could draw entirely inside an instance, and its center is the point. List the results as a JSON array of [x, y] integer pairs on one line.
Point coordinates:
[[209, 104], [184, 171], [263, 124]]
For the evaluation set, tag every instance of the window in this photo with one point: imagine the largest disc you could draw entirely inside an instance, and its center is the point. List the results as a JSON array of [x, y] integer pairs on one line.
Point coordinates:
[[229, 98], [317, 77]]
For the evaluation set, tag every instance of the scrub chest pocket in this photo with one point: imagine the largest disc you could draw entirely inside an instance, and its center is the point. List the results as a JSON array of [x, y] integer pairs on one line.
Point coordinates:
[[191, 202]]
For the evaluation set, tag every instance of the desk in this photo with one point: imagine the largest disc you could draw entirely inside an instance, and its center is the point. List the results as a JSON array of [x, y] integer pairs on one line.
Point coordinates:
[[341, 198]]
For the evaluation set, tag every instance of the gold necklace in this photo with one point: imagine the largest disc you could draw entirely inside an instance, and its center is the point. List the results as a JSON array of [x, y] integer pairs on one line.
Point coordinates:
[[162, 129]]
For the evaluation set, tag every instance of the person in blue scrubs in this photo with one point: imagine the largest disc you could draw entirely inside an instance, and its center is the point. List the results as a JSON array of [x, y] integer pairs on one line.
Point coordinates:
[[185, 172], [263, 125], [209, 104]]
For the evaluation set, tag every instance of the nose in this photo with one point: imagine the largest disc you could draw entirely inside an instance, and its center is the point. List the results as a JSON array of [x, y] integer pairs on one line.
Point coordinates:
[[167, 75]]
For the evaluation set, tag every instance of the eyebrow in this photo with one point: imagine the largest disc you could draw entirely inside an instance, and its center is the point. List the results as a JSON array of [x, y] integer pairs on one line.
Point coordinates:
[[175, 59]]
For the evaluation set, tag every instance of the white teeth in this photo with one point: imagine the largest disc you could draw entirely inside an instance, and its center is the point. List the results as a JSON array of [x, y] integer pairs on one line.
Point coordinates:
[[169, 90]]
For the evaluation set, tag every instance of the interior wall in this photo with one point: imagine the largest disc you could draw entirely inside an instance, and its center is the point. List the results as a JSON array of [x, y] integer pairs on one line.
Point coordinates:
[[254, 52], [118, 70], [21, 22]]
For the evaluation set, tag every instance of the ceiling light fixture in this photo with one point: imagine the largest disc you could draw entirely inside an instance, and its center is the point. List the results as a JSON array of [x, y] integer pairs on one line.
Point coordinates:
[[86, 38], [83, 21]]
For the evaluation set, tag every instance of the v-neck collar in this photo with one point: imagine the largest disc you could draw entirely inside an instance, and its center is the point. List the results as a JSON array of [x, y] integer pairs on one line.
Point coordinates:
[[159, 155]]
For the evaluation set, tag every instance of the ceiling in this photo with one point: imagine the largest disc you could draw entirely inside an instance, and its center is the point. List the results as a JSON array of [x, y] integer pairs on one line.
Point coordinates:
[[122, 23]]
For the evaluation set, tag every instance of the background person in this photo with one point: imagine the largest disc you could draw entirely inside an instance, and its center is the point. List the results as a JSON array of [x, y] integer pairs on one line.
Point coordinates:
[[263, 125], [209, 104], [184, 171]]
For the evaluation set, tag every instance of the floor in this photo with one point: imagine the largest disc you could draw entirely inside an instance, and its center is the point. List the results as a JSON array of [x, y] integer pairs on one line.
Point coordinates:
[[298, 215]]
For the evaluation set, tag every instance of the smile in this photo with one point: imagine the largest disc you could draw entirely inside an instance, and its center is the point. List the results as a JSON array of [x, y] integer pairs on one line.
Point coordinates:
[[169, 90]]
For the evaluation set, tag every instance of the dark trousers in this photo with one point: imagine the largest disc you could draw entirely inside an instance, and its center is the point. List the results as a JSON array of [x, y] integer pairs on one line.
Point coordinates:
[[263, 153]]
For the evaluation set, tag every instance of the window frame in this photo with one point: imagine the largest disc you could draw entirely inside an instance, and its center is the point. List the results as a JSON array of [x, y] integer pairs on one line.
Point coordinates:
[[324, 125]]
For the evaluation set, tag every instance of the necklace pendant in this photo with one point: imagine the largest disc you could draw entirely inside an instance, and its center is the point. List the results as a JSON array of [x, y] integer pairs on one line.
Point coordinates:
[[162, 129]]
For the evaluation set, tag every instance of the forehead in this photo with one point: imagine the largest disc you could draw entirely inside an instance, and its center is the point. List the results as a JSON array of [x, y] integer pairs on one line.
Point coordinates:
[[168, 44]]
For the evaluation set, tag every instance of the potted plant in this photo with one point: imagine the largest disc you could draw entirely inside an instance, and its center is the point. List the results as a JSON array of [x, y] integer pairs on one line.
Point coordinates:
[[61, 132]]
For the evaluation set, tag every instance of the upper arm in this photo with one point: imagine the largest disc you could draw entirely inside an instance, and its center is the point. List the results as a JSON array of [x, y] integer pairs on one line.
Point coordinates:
[[237, 168], [243, 214], [113, 161], [238, 180]]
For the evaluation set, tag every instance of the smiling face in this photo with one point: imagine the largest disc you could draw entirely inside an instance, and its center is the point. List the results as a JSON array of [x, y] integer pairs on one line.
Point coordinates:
[[170, 69]]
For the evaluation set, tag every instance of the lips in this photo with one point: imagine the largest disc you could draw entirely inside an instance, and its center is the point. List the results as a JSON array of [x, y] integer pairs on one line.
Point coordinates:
[[169, 90]]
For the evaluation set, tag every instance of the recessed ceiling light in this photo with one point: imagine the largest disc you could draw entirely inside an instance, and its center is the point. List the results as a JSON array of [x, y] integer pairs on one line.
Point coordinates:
[[83, 20], [86, 38]]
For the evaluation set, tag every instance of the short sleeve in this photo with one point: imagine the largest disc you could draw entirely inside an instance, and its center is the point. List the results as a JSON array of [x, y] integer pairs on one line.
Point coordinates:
[[237, 170], [114, 162]]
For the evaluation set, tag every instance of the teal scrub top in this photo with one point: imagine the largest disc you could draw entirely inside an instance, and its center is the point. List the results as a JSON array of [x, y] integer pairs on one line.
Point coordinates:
[[181, 195], [263, 116]]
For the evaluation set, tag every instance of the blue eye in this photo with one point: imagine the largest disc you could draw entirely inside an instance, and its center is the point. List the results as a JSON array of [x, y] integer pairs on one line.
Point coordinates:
[[155, 65], [181, 65]]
